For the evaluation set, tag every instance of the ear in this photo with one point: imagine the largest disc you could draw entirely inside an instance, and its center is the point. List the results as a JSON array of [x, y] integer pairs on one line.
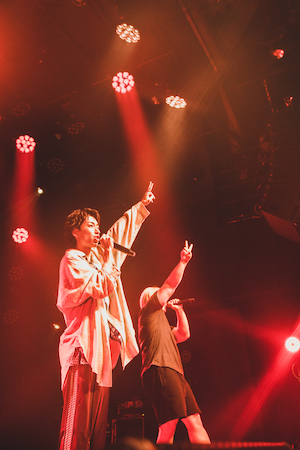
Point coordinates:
[[75, 233]]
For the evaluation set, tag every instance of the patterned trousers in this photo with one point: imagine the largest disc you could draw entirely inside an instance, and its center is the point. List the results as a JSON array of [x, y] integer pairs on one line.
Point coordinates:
[[85, 411]]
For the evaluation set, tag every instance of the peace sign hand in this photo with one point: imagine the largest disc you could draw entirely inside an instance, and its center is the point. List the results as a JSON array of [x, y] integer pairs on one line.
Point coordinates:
[[148, 197], [186, 253]]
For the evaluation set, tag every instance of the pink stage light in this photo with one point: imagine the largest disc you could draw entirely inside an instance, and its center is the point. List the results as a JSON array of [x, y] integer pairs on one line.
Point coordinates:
[[292, 344], [25, 143], [123, 82], [20, 235]]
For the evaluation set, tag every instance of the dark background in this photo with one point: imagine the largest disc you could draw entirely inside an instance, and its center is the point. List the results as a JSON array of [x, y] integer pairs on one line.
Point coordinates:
[[229, 156]]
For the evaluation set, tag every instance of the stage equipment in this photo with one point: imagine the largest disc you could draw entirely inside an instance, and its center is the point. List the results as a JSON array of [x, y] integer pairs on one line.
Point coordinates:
[[25, 143], [128, 33], [292, 344], [280, 204], [180, 302], [123, 82], [20, 235], [278, 53], [176, 102], [129, 421]]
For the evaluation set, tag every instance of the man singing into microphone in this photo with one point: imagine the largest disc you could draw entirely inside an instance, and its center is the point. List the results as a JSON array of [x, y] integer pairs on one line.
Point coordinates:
[[162, 372], [98, 322]]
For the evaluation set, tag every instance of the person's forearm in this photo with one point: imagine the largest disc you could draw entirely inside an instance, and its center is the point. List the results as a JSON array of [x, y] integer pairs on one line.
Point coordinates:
[[176, 275], [182, 322]]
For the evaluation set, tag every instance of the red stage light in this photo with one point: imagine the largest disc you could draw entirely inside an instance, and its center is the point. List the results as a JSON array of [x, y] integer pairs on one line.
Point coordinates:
[[278, 53], [25, 143], [20, 235], [123, 82], [292, 344]]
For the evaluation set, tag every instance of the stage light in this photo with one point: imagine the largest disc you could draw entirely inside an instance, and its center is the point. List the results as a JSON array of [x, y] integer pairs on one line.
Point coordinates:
[[123, 82], [20, 235], [25, 143], [176, 102], [128, 33], [75, 128], [154, 100], [15, 274], [78, 2], [56, 326], [292, 344], [288, 101], [11, 316], [40, 191], [21, 109], [55, 165], [278, 53]]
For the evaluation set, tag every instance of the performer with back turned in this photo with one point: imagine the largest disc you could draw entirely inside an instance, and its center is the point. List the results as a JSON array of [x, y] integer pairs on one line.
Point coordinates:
[[98, 322], [162, 372]]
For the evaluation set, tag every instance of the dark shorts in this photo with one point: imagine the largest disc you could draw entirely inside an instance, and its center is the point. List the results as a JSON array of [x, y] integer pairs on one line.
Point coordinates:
[[169, 393]]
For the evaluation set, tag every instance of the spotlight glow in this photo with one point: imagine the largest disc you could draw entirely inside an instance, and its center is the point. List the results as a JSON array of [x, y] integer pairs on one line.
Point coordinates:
[[176, 102], [292, 344], [123, 82], [40, 191], [20, 235], [25, 143], [128, 33]]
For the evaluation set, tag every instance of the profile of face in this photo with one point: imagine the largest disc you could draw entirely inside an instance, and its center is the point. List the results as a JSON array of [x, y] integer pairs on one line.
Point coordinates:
[[88, 235]]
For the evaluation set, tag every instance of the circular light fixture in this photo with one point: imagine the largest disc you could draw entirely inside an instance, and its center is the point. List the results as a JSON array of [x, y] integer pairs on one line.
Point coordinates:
[[25, 143], [292, 344], [123, 82], [176, 102], [20, 235], [128, 33]]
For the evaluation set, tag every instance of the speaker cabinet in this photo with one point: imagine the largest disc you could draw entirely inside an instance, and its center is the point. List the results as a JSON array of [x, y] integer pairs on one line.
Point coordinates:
[[127, 426]]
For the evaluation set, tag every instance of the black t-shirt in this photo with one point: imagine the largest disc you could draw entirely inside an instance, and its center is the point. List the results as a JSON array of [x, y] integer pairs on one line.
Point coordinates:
[[157, 342]]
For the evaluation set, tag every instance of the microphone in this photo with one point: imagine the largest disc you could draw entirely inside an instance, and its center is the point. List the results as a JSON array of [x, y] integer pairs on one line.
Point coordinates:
[[181, 302], [122, 249]]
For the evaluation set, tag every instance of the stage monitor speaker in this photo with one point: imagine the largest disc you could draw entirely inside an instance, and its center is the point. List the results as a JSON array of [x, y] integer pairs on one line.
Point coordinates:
[[127, 426], [289, 230], [225, 445]]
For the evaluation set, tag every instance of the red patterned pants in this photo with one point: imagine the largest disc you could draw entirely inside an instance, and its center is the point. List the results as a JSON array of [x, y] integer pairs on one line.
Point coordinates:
[[85, 411]]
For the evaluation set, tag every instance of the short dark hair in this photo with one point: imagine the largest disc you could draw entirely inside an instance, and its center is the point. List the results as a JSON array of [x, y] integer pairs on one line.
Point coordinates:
[[75, 220]]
